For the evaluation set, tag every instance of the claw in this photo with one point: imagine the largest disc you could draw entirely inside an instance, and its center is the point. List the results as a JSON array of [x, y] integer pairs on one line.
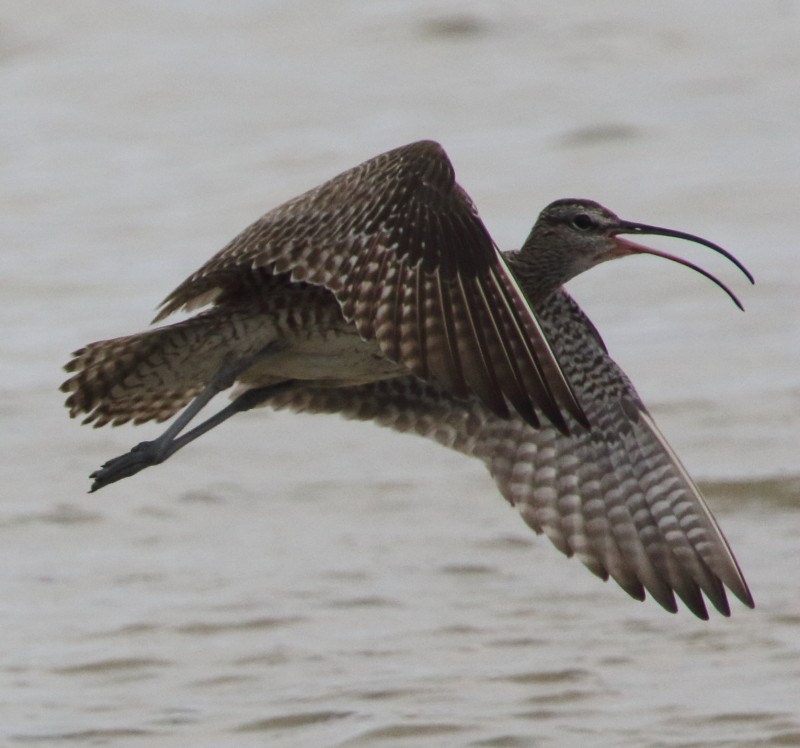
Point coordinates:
[[144, 454]]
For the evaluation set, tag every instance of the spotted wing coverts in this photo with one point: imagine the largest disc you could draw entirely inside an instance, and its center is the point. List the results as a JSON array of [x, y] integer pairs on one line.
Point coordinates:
[[401, 246], [615, 496]]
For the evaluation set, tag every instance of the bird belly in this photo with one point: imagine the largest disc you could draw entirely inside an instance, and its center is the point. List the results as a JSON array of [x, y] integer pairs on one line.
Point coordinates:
[[335, 358]]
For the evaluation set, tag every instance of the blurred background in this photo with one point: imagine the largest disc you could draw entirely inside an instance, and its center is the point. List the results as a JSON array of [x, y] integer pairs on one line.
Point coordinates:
[[307, 581]]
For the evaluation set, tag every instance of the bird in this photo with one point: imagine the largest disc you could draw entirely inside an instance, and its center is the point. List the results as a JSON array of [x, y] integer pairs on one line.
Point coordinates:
[[381, 295]]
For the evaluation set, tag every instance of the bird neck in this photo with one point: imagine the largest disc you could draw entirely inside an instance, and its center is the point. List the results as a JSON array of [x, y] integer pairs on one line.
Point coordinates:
[[539, 274]]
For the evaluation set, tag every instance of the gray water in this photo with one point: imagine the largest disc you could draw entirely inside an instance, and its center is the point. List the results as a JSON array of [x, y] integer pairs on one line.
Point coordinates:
[[304, 581]]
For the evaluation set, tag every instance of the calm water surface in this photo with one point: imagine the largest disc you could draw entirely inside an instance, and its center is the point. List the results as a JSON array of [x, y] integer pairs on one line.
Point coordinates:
[[297, 581]]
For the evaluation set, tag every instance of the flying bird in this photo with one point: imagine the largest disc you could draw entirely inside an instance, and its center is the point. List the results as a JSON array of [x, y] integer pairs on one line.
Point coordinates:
[[381, 295]]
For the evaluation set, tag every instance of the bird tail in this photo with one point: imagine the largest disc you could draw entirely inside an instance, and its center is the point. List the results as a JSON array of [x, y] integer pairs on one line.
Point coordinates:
[[151, 375]]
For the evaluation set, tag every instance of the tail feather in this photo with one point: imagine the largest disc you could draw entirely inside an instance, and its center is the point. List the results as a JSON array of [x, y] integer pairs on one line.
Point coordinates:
[[140, 410], [150, 376]]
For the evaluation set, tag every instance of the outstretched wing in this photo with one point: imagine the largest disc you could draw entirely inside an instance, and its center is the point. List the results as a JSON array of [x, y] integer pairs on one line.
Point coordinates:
[[616, 496], [402, 248]]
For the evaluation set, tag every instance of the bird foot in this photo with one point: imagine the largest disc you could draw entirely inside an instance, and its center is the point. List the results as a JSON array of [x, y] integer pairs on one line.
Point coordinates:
[[143, 455]]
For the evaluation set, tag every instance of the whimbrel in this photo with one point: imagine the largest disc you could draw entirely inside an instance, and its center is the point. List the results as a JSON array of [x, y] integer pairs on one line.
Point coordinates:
[[380, 295]]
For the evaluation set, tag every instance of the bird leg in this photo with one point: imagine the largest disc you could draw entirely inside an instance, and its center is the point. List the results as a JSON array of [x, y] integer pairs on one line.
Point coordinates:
[[156, 451]]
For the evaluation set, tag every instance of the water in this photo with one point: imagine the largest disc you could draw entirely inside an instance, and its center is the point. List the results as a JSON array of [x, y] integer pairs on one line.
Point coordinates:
[[305, 581]]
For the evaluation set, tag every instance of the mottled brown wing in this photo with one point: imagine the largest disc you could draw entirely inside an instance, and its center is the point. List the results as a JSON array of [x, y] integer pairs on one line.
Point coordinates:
[[402, 248], [617, 497]]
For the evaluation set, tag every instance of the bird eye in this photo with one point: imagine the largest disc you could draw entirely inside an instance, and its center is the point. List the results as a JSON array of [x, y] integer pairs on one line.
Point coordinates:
[[582, 222]]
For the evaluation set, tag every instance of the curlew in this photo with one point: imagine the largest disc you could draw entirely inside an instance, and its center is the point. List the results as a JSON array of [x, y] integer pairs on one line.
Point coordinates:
[[380, 295]]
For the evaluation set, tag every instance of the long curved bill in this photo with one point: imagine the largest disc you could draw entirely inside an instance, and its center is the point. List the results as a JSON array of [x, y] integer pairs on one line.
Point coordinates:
[[624, 247]]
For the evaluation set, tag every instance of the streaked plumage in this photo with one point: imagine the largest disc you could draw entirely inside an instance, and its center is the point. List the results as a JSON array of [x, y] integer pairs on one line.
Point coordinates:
[[616, 496], [400, 245], [380, 295]]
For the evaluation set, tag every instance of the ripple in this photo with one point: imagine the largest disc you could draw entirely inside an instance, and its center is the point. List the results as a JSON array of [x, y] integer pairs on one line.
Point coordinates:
[[175, 717], [564, 697], [541, 715], [521, 641], [205, 628], [126, 631], [548, 677], [201, 496], [777, 721], [140, 578], [599, 134], [288, 721], [402, 731], [504, 741], [744, 717], [265, 659], [458, 629], [467, 569], [61, 514], [367, 601], [85, 736], [785, 738], [455, 26], [384, 694], [223, 680], [780, 491], [506, 541], [112, 665], [787, 619]]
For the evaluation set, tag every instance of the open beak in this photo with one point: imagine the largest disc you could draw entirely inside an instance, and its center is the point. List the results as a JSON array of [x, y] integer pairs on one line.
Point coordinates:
[[623, 247]]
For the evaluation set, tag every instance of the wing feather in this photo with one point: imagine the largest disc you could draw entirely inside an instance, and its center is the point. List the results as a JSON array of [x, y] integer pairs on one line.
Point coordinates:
[[400, 219], [616, 496]]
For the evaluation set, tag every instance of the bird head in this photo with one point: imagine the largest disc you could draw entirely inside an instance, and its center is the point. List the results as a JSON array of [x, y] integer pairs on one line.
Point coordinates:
[[573, 235]]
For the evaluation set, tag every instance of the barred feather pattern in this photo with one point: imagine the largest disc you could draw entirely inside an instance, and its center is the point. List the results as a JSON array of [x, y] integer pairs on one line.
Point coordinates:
[[400, 245], [147, 376], [153, 374], [616, 496]]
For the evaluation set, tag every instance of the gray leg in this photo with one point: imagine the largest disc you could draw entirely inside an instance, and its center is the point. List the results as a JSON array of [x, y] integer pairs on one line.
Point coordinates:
[[154, 452]]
